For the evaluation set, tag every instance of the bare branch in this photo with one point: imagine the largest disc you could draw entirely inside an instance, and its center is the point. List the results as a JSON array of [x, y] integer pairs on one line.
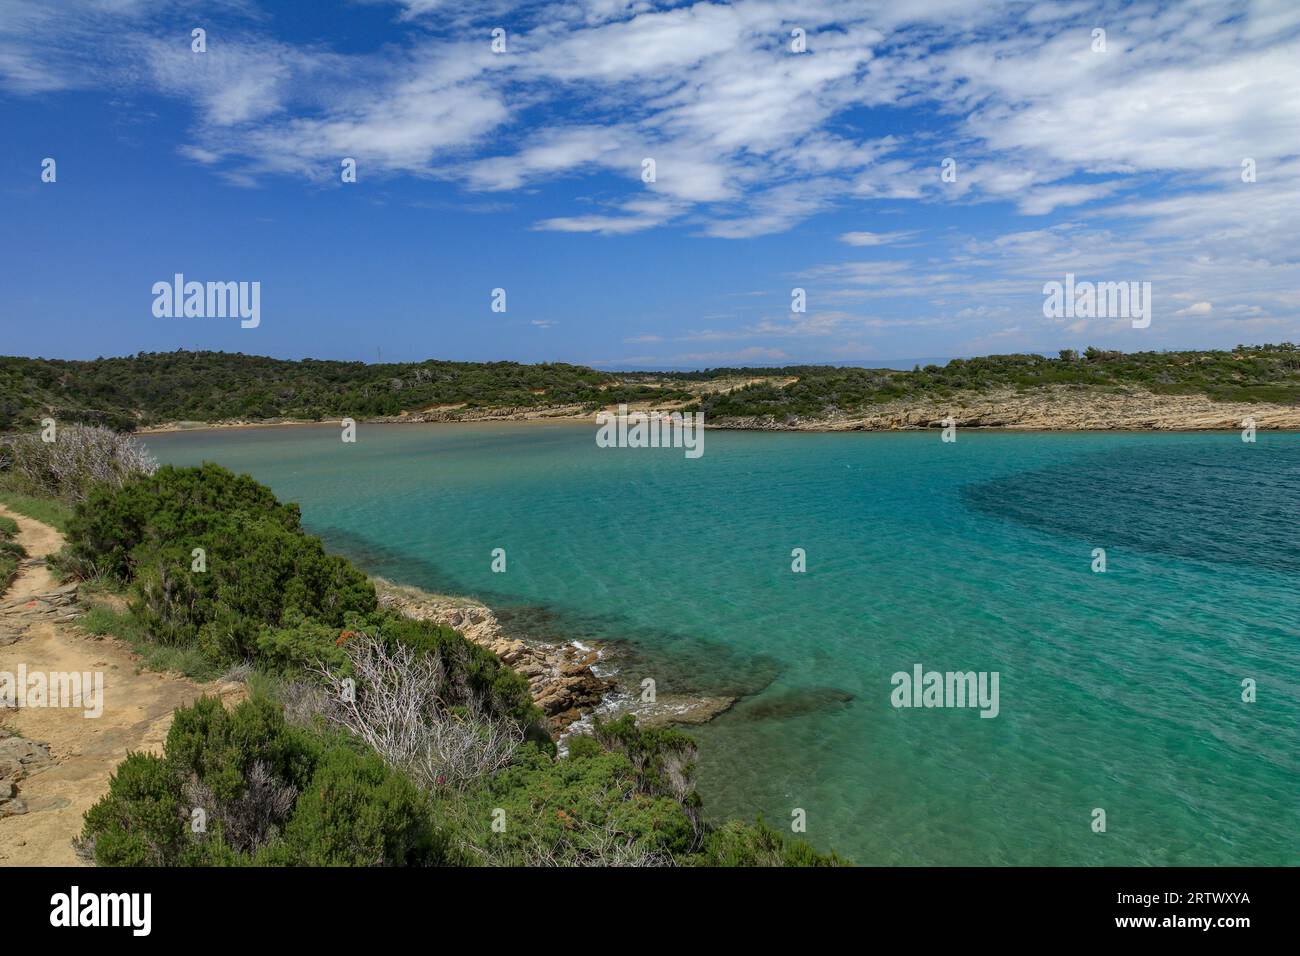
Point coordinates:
[[396, 709]]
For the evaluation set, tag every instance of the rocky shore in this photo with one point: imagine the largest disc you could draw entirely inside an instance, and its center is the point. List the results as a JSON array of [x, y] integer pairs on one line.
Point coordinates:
[[560, 676], [1046, 409]]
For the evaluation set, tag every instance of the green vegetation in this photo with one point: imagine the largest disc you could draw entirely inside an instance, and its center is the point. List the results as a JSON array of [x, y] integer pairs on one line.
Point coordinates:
[[154, 387], [49, 511], [268, 593], [1264, 373], [100, 618], [435, 755], [261, 574], [10, 552], [370, 738], [265, 793]]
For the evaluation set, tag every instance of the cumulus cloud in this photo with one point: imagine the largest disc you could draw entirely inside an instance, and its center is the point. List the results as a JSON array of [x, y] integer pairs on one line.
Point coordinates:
[[1140, 146]]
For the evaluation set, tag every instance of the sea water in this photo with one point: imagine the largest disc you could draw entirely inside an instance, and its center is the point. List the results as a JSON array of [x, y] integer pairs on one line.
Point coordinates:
[[1120, 691]]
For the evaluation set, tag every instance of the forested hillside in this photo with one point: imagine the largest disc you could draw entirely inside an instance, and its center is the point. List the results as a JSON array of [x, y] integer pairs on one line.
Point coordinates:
[[154, 387], [1262, 373]]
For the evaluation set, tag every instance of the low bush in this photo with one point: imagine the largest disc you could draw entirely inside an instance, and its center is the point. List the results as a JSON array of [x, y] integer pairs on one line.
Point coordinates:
[[79, 459], [243, 787], [736, 843], [584, 809], [214, 561]]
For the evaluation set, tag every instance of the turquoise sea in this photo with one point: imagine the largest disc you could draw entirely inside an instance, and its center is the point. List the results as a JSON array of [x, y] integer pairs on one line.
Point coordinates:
[[1120, 690]]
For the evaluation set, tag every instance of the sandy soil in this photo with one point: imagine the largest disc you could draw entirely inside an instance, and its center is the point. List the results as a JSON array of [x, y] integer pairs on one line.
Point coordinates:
[[83, 751]]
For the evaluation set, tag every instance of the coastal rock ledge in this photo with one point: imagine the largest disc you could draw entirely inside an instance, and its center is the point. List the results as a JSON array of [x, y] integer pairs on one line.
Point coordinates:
[[560, 676]]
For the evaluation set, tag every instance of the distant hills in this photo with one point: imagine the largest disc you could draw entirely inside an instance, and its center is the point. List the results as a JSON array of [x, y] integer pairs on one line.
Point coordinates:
[[153, 388]]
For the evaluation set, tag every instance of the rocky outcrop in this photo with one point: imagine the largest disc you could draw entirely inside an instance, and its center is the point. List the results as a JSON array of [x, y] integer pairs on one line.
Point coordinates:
[[58, 605], [18, 757], [1059, 408], [560, 676], [677, 709]]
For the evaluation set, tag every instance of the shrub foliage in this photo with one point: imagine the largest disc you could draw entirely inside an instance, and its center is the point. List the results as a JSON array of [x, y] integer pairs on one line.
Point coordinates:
[[406, 743]]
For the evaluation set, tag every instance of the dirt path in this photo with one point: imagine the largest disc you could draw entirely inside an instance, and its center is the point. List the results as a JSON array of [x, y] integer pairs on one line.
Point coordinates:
[[35, 631]]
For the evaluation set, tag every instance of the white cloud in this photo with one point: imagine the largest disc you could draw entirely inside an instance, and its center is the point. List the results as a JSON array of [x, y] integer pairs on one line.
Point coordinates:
[[873, 238], [1142, 144]]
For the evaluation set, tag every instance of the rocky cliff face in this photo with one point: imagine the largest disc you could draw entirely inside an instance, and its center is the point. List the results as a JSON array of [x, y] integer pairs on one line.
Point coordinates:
[[560, 676], [1059, 408]]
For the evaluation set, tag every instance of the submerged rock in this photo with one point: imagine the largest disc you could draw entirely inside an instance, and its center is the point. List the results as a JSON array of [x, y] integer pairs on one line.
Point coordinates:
[[792, 703], [670, 709]]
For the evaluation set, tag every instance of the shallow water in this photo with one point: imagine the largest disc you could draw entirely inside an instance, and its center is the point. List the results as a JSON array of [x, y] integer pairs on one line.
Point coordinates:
[[1119, 691]]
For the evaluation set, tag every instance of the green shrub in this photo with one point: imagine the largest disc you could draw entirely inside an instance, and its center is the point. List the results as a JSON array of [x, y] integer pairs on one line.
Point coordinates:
[[741, 844], [219, 747], [356, 811], [261, 570], [271, 794], [584, 809], [174, 504], [141, 821], [663, 760], [301, 641]]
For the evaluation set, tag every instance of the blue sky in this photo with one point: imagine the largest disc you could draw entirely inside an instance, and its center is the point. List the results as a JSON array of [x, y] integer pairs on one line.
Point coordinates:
[[522, 170]]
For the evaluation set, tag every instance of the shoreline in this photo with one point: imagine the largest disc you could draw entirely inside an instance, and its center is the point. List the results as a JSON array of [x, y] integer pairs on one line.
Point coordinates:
[[561, 678], [820, 427], [1050, 410], [570, 681], [417, 419]]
